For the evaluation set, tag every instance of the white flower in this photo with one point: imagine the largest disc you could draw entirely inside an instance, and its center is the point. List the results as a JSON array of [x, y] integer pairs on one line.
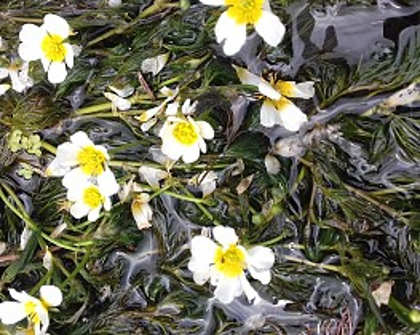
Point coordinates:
[[276, 108], [118, 99], [79, 161], [141, 210], [26, 306], [185, 138], [18, 76], [225, 263], [47, 43], [88, 199], [232, 24], [154, 64]]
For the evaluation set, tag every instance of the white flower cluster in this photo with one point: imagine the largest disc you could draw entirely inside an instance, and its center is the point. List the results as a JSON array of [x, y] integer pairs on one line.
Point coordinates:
[[89, 181]]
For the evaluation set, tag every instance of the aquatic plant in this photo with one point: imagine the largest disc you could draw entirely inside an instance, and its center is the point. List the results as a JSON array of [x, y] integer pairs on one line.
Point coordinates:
[[313, 214]]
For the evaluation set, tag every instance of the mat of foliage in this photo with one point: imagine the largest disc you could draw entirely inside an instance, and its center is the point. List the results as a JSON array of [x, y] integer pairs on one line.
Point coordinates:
[[342, 219]]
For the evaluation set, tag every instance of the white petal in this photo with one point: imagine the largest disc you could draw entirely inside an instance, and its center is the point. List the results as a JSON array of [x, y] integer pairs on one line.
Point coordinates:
[[272, 164], [249, 291], [206, 130], [263, 276], [31, 34], [191, 154], [45, 62], [55, 24], [29, 52], [94, 214], [148, 114], [51, 295], [225, 235], [268, 114], [142, 212], [79, 210], [66, 154], [75, 192], [233, 34], [154, 64], [262, 258], [172, 108], [268, 90], [57, 72], [107, 204], [247, 77], [201, 278], [75, 177], [292, 117], [4, 88], [124, 91], [107, 183], [270, 28], [213, 2], [11, 312], [203, 250], [18, 85], [304, 90], [4, 73], [69, 55], [228, 289], [81, 139], [20, 296]]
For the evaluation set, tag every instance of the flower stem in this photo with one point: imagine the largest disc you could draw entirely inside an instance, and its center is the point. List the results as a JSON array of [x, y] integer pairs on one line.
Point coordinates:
[[157, 6]]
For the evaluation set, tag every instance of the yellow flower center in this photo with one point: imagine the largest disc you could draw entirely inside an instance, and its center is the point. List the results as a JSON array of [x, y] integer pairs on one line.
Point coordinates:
[[286, 88], [230, 262], [91, 160], [30, 310], [245, 11], [53, 48], [281, 103], [92, 197], [185, 133]]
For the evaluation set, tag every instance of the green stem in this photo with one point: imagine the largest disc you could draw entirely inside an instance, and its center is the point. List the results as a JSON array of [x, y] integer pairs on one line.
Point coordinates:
[[157, 6], [141, 98], [79, 267], [49, 147], [34, 227], [316, 265]]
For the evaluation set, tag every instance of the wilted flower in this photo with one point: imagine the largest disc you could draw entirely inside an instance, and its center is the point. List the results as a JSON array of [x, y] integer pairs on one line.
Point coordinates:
[[80, 160], [206, 181], [141, 210], [225, 263], [184, 137], [232, 24], [36, 310], [276, 108], [149, 117], [19, 77], [88, 199], [154, 64], [48, 43], [118, 99], [152, 176]]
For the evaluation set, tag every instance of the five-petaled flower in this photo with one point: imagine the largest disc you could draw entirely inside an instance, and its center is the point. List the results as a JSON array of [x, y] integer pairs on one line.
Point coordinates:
[[35, 310], [88, 199], [232, 24], [48, 43], [79, 161], [225, 263], [276, 108], [184, 137]]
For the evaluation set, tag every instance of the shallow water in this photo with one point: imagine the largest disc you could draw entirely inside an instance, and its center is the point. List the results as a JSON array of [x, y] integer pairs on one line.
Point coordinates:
[[139, 283]]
